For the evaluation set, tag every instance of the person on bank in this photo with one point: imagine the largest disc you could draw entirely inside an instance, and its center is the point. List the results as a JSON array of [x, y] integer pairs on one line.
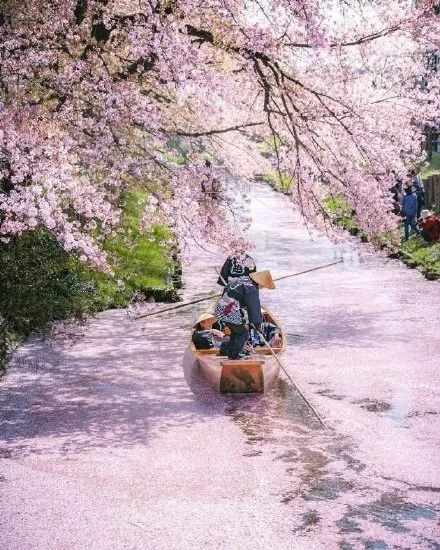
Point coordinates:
[[417, 184], [409, 207], [235, 267], [240, 297], [396, 192], [430, 226]]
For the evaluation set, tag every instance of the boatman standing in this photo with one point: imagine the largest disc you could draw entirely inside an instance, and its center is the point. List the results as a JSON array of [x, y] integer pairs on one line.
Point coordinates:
[[236, 267], [239, 298]]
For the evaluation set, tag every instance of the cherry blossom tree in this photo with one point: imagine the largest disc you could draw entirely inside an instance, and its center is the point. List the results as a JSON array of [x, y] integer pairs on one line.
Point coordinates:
[[97, 96]]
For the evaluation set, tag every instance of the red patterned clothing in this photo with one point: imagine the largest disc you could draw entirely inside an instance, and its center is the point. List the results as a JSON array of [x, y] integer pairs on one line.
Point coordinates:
[[431, 226]]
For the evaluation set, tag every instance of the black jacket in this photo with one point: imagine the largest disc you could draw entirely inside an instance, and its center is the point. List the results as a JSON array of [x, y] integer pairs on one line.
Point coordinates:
[[245, 291], [235, 267]]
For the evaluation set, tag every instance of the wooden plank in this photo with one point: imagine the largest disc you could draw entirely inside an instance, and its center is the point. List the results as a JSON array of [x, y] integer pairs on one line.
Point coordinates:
[[434, 203], [428, 192], [241, 362], [212, 351], [432, 193], [437, 195]]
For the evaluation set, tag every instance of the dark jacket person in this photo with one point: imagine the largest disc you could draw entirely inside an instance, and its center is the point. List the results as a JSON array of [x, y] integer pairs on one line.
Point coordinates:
[[239, 297], [235, 267]]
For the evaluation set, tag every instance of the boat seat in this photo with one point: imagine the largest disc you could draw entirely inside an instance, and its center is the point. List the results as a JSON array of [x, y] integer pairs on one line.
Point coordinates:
[[241, 362]]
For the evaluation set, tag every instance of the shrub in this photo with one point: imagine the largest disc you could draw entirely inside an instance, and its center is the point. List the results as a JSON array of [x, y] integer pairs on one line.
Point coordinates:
[[38, 287]]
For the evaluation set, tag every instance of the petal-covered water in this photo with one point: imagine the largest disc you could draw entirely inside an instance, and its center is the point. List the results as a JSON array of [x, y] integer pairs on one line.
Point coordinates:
[[117, 442]]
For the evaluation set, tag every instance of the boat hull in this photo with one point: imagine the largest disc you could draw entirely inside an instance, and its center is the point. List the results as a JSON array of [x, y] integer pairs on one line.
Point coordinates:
[[255, 374]]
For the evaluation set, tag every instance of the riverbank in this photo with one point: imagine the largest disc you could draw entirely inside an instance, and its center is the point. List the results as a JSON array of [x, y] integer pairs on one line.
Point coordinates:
[[415, 253], [424, 257]]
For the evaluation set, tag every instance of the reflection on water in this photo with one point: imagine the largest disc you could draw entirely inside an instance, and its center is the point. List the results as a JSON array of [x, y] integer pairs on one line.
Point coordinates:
[[294, 338], [254, 412]]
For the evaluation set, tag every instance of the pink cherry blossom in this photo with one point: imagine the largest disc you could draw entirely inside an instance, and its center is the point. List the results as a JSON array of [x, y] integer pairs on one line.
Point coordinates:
[[99, 96]]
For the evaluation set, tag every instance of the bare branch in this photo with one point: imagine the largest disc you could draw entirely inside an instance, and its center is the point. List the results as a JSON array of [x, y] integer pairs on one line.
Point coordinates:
[[218, 131]]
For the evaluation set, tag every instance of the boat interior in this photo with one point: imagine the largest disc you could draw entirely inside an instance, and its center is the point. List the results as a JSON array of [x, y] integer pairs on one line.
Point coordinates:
[[257, 350]]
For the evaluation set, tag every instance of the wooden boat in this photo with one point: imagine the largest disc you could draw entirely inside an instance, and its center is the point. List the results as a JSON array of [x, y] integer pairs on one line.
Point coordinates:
[[253, 375]]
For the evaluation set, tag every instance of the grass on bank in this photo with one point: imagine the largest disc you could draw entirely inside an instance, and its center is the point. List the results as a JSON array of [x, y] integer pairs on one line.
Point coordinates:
[[140, 261], [280, 182], [341, 213], [415, 252], [268, 147], [424, 256]]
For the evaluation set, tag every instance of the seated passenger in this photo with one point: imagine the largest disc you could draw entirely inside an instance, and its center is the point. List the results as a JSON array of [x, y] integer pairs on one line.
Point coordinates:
[[270, 332], [207, 333]]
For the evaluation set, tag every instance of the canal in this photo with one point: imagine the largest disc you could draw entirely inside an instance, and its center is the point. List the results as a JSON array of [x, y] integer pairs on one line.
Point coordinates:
[[112, 439]]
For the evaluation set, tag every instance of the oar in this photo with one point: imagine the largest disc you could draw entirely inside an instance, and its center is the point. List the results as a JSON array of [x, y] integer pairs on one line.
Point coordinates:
[[308, 270], [277, 359], [172, 308], [315, 412], [210, 297]]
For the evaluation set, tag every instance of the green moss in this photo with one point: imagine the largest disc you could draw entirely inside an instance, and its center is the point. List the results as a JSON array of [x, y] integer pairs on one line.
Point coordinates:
[[175, 159], [341, 213]]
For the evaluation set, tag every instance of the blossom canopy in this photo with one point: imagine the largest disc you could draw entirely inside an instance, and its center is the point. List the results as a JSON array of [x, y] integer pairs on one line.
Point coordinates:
[[97, 96]]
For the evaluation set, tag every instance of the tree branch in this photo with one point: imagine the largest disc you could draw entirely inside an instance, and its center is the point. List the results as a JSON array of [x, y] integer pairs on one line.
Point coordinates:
[[220, 131]]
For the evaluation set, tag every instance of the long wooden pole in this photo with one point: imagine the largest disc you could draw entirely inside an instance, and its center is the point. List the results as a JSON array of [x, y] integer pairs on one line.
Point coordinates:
[[266, 343], [308, 270], [294, 384], [172, 308], [211, 296]]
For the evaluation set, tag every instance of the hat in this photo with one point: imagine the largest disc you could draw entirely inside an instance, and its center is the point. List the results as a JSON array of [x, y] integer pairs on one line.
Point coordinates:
[[263, 278], [424, 214], [205, 317]]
